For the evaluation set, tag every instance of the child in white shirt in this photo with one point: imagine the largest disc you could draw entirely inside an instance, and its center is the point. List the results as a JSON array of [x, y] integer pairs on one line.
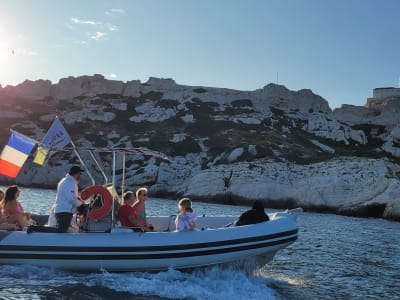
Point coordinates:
[[186, 220]]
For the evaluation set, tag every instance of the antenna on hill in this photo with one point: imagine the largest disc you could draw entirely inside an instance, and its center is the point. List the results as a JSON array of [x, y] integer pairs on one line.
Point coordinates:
[[277, 77]]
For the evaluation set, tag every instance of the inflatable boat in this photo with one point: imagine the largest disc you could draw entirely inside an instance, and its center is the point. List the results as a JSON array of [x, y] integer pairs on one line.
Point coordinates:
[[101, 244], [123, 249]]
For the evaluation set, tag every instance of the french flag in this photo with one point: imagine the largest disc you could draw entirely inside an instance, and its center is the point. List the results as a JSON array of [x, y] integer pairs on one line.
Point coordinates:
[[15, 153]]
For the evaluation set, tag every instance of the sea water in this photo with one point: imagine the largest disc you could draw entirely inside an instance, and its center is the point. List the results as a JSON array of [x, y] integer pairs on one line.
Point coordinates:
[[335, 257]]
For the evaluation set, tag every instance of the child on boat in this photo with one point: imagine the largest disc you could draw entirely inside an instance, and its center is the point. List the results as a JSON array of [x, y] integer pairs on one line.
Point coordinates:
[[186, 220]]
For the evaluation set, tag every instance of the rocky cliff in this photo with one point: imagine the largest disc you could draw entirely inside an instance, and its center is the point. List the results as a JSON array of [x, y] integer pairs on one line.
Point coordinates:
[[286, 148]]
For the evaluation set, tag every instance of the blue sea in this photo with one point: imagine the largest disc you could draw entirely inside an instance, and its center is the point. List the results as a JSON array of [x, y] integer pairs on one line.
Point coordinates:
[[335, 257]]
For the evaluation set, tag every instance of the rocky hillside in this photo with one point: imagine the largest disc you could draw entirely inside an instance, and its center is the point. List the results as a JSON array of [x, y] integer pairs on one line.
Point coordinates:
[[287, 148]]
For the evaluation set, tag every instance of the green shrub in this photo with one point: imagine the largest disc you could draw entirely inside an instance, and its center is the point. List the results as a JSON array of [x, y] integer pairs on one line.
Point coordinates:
[[188, 145], [166, 103], [200, 90], [242, 102]]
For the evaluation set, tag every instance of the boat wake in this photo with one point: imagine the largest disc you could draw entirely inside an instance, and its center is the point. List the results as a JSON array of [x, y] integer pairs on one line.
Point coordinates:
[[210, 283]]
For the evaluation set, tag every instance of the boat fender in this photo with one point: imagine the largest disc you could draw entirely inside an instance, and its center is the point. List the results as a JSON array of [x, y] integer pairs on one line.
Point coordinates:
[[106, 197]]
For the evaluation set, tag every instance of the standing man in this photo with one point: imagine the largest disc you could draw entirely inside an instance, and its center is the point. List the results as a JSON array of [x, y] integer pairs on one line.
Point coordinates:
[[67, 198]]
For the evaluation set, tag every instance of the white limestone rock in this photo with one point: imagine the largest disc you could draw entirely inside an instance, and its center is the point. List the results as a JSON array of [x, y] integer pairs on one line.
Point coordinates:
[[323, 147], [122, 106], [81, 116], [352, 115], [384, 112], [235, 154], [178, 137], [71, 87], [131, 89], [303, 100], [323, 126], [34, 90], [252, 150], [392, 144], [339, 183], [245, 119], [151, 113], [158, 84], [188, 119], [252, 119]]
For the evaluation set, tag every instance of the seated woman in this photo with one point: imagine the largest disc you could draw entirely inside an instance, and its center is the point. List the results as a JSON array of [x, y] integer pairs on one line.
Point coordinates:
[[9, 223], [186, 220], [13, 209], [140, 209]]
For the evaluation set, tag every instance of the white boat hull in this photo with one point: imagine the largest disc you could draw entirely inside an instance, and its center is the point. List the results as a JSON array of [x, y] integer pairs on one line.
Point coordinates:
[[124, 250]]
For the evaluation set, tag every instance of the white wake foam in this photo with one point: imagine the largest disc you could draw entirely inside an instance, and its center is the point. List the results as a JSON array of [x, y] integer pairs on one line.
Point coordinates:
[[212, 283]]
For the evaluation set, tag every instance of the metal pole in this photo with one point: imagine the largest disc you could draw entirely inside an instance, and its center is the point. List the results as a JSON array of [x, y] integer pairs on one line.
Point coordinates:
[[123, 175], [100, 168], [83, 164], [113, 187]]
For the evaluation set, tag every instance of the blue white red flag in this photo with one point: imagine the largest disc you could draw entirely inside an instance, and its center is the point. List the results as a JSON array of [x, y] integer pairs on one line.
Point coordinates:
[[15, 153]]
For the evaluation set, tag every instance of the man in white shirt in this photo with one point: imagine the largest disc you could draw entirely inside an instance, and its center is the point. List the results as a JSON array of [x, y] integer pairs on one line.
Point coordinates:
[[67, 198]]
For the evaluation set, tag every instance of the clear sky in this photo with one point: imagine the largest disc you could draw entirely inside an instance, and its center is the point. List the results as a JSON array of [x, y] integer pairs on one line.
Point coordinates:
[[341, 49]]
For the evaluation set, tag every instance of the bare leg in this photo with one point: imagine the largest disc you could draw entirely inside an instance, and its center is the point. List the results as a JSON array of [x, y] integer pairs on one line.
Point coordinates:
[[8, 226]]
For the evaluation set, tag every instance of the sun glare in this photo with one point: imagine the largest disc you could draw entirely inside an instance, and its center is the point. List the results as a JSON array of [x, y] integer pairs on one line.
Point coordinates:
[[7, 58]]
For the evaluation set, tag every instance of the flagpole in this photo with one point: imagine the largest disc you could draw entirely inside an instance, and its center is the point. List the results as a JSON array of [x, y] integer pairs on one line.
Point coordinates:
[[83, 164]]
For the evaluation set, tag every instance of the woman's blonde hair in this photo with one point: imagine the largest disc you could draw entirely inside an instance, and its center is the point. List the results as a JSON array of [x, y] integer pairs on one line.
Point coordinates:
[[186, 203], [139, 191]]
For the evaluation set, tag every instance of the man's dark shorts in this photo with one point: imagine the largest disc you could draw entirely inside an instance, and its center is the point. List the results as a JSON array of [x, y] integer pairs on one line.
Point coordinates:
[[63, 221]]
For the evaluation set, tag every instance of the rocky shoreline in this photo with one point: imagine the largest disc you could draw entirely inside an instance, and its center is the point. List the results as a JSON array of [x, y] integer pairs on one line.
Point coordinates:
[[285, 148], [373, 210]]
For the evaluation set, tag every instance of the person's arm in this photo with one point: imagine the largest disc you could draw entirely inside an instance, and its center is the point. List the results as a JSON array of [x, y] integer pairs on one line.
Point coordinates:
[[140, 222], [176, 223], [27, 215], [71, 192]]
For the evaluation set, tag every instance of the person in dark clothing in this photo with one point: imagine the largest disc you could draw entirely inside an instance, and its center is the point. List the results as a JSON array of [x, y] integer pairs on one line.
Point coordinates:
[[253, 216]]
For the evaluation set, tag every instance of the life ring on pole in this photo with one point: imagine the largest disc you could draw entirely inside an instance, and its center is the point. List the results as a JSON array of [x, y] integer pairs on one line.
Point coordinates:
[[98, 192]]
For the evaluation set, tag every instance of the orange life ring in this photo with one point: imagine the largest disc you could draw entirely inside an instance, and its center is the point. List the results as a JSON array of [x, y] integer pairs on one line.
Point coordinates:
[[107, 200]]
